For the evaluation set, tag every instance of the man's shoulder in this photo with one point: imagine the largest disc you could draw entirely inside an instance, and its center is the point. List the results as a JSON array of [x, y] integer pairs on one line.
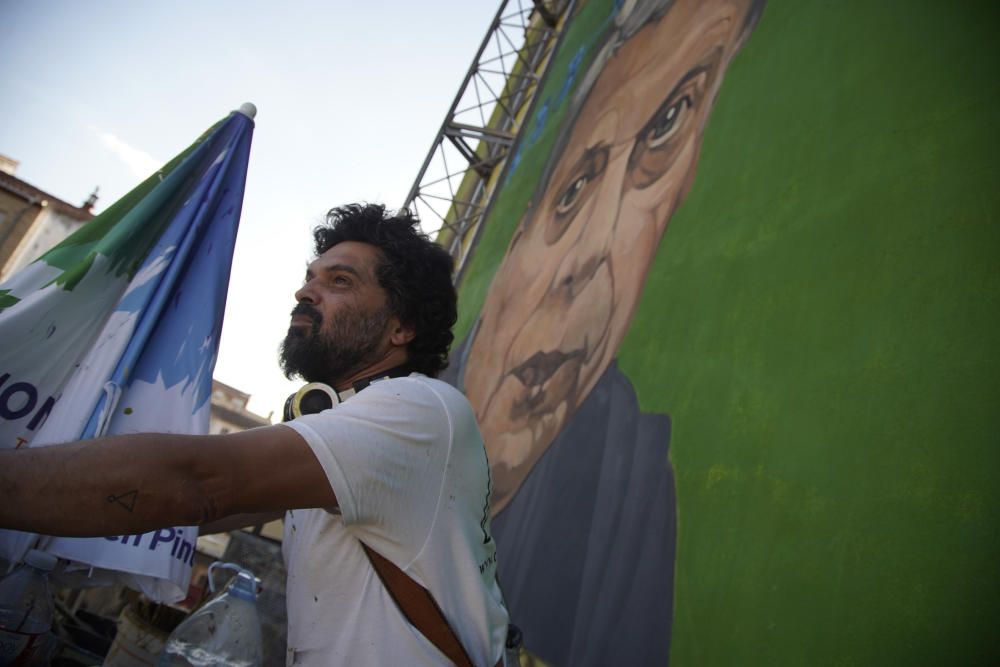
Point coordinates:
[[419, 384], [415, 393]]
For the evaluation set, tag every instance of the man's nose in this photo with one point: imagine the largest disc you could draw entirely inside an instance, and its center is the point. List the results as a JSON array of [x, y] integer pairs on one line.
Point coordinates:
[[306, 294]]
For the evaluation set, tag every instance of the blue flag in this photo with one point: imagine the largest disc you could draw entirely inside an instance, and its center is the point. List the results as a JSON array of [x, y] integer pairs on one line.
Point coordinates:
[[116, 330]]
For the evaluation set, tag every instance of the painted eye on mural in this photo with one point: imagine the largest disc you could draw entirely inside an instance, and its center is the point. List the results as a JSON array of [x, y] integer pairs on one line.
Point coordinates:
[[658, 143], [576, 191], [666, 123], [572, 193]]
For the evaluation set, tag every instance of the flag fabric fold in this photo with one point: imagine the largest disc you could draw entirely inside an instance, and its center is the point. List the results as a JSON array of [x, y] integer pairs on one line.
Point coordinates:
[[116, 330]]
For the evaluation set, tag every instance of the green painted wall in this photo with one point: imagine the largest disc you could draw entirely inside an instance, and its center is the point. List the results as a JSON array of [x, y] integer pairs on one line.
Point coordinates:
[[821, 324]]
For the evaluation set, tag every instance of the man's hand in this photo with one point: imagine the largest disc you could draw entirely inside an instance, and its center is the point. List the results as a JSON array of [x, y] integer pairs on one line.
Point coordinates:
[[136, 483]]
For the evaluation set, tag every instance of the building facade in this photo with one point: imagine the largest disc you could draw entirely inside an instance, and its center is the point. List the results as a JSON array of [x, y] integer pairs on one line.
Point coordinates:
[[33, 220]]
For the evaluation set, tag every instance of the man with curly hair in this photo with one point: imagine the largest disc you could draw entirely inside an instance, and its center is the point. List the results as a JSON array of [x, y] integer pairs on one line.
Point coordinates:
[[395, 470]]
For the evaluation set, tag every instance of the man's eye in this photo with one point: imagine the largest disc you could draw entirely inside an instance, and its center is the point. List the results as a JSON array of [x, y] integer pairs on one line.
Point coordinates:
[[666, 124], [570, 195]]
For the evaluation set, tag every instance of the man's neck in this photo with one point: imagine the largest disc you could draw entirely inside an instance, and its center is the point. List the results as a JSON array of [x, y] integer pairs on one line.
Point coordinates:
[[394, 359]]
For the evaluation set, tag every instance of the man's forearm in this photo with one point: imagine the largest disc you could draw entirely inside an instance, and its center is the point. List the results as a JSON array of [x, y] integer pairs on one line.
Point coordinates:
[[109, 486], [238, 521]]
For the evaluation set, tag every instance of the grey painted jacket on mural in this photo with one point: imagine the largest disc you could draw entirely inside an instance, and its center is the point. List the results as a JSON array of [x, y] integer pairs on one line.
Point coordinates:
[[586, 547]]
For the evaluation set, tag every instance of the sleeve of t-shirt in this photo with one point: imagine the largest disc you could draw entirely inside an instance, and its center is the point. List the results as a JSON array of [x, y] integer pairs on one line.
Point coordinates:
[[384, 452]]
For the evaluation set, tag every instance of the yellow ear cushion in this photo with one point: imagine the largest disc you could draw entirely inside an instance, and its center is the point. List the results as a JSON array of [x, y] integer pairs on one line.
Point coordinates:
[[312, 398]]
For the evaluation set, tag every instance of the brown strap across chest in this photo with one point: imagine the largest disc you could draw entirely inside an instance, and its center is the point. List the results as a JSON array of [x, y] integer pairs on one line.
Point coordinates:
[[419, 608]]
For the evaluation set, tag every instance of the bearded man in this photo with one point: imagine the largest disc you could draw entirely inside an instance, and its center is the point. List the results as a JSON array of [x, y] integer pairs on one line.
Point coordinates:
[[395, 471]]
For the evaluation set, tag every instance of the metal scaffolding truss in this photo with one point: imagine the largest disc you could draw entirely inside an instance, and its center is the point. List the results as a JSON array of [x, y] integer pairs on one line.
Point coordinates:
[[456, 182]]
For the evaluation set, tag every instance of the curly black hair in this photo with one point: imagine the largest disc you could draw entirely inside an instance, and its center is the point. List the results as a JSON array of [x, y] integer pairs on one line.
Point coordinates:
[[415, 272]]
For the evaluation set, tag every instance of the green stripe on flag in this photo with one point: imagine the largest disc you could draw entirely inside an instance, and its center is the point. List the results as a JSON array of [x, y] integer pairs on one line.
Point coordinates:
[[7, 299], [127, 230]]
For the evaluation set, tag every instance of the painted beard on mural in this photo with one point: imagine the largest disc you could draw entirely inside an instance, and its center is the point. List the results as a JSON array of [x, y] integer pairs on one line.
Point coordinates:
[[324, 354], [569, 284]]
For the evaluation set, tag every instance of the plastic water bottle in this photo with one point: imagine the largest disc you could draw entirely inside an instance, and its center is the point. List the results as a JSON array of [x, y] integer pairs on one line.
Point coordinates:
[[224, 631], [26, 611]]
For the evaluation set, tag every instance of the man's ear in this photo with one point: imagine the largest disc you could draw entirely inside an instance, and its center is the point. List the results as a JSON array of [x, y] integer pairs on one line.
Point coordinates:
[[400, 334]]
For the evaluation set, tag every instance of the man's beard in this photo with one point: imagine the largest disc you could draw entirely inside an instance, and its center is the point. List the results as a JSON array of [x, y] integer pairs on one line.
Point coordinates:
[[348, 345]]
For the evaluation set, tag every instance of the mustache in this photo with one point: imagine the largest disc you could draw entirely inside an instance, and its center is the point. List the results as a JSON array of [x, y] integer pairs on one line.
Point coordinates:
[[309, 311]]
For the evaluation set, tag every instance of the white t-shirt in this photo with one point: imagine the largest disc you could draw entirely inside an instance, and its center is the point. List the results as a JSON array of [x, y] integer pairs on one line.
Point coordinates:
[[406, 461]]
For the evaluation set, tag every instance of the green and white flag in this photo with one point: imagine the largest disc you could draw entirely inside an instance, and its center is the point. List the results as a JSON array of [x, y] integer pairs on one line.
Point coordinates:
[[116, 330]]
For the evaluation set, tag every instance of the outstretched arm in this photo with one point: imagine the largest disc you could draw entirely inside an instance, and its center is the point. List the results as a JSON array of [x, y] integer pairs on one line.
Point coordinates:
[[238, 521], [136, 483]]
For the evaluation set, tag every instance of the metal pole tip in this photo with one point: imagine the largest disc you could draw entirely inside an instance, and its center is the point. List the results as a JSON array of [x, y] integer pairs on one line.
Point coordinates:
[[248, 109]]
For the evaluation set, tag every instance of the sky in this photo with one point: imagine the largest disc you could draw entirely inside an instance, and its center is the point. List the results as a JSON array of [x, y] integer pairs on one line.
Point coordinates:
[[349, 95]]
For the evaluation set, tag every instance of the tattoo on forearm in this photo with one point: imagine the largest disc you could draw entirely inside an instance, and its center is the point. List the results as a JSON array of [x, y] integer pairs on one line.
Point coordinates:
[[126, 500]]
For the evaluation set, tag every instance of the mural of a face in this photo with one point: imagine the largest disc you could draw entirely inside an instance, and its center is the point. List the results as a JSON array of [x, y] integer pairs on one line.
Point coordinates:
[[568, 286]]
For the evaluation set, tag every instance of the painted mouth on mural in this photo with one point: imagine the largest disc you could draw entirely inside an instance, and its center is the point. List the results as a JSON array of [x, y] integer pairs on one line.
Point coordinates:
[[541, 366], [536, 372]]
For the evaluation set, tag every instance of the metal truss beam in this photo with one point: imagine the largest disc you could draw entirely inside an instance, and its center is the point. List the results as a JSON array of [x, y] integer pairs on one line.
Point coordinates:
[[484, 120]]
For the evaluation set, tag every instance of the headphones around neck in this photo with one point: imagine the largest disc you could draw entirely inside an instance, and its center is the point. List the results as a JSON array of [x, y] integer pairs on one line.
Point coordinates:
[[316, 396]]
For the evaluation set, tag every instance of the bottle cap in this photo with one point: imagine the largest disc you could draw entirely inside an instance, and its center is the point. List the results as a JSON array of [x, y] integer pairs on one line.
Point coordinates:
[[41, 560], [244, 586]]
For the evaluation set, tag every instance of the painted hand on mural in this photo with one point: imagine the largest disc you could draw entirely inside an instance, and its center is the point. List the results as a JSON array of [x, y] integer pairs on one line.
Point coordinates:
[[568, 286]]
